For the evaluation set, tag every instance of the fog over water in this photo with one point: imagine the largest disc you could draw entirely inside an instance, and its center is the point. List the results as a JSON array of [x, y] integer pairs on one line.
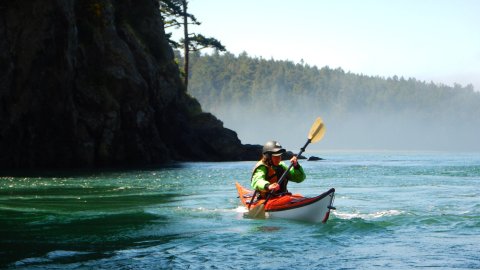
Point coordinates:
[[352, 131]]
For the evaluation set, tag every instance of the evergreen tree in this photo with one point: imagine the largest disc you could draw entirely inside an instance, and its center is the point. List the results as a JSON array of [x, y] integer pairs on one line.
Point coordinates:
[[175, 14]]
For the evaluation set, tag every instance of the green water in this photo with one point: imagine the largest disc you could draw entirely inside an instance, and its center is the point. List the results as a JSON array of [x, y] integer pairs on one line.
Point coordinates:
[[394, 210]]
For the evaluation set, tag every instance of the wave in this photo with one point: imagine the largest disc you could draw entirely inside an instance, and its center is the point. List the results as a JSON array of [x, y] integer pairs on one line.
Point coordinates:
[[368, 216]]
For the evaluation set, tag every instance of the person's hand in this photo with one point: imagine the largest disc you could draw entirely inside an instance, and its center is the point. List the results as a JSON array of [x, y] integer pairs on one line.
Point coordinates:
[[274, 187], [294, 161]]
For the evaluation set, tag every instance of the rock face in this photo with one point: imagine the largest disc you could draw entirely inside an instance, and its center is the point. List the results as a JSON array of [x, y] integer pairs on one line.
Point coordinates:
[[93, 83]]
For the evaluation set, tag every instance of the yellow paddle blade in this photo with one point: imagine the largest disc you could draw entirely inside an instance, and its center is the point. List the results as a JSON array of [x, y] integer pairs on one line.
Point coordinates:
[[257, 212], [317, 131]]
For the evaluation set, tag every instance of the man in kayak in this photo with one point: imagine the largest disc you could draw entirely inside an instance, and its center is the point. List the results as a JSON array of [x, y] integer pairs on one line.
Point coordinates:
[[270, 168]]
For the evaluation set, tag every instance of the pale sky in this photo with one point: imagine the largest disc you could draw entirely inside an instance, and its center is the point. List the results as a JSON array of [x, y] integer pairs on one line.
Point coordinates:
[[431, 40]]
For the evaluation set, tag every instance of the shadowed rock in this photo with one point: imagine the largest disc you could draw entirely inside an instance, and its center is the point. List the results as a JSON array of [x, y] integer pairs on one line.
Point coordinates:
[[94, 83]]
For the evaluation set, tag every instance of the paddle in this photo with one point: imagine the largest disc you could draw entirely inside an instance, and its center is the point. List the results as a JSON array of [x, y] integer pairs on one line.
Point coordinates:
[[317, 131]]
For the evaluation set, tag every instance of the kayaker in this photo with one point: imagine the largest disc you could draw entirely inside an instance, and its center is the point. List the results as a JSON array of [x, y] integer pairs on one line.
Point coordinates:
[[270, 168]]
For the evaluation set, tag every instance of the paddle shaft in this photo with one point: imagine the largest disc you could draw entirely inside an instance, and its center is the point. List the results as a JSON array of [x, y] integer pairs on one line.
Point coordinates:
[[284, 175], [251, 200]]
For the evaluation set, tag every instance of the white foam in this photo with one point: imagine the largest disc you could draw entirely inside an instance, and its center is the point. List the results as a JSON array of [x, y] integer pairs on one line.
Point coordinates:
[[241, 209], [368, 216]]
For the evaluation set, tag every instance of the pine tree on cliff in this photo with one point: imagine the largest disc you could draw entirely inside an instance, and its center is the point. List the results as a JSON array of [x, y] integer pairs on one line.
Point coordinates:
[[172, 10]]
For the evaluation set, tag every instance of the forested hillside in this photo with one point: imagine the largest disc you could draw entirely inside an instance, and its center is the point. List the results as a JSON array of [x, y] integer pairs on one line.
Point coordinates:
[[361, 111]]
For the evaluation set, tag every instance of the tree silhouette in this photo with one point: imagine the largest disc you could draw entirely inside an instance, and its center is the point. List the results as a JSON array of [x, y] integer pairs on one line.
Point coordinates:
[[175, 14]]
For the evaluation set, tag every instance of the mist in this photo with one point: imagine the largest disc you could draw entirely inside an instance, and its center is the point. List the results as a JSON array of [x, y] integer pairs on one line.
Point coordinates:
[[352, 131], [279, 100]]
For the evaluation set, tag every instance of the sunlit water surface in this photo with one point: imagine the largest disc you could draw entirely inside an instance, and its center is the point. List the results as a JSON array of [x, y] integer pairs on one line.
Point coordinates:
[[394, 211]]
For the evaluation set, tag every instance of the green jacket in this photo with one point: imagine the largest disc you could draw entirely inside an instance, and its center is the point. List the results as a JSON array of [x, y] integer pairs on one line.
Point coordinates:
[[263, 176]]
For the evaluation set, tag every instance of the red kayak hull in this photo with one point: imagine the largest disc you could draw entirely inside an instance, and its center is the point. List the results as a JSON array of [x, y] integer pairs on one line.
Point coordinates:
[[292, 206]]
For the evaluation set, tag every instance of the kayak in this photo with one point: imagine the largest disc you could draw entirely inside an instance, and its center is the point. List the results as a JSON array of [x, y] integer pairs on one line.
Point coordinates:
[[292, 206]]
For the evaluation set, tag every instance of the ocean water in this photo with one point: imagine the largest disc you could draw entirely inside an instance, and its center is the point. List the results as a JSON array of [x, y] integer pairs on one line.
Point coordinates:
[[394, 211]]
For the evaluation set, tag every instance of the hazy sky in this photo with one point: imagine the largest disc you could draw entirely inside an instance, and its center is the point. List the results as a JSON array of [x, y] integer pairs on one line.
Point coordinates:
[[431, 40]]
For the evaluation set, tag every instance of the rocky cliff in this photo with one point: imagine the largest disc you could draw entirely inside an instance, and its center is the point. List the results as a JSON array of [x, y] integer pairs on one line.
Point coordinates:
[[93, 83]]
